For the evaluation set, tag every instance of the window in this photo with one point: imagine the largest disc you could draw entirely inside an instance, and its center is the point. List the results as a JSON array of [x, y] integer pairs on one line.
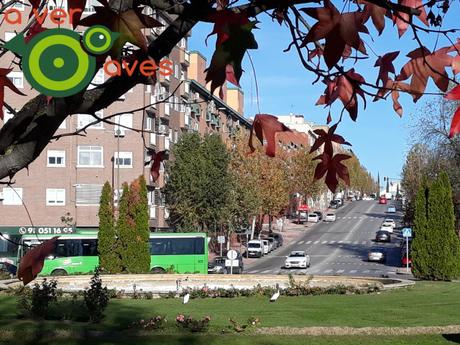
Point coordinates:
[[12, 196], [17, 78], [55, 197], [90, 156], [177, 246], [176, 71], [84, 120], [9, 35], [56, 158], [88, 194], [123, 159], [183, 43], [125, 120]]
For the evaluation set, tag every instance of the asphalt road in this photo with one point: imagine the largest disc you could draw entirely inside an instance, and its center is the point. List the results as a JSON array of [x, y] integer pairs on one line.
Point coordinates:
[[340, 247]]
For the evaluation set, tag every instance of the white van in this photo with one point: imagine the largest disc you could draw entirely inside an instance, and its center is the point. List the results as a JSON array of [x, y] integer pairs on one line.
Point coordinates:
[[266, 246], [255, 248], [313, 218]]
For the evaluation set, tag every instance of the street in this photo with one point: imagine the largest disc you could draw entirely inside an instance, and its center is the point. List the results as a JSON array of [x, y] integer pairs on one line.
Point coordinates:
[[340, 247]]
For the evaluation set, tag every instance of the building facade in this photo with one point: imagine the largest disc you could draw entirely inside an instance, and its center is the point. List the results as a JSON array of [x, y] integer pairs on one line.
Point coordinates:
[[62, 186]]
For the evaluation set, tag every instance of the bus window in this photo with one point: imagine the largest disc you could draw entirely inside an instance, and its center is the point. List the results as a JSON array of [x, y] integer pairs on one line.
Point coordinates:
[[67, 248], [89, 247], [199, 245], [177, 246]]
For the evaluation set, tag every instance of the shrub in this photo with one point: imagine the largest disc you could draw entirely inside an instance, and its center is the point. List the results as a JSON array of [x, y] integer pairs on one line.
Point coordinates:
[[41, 298], [96, 298], [156, 322], [188, 323]]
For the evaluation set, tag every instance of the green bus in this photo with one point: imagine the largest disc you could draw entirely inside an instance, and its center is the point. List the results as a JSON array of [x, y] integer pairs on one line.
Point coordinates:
[[77, 253], [9, 252]]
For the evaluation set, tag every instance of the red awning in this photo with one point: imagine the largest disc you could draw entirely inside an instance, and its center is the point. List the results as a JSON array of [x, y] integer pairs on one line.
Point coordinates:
[[303, 207]]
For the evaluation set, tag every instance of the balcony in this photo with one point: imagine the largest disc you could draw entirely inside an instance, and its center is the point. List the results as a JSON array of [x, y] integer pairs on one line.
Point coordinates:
[[164, 80], [184, 89], [184, 58], [195, 110], [185, 121]]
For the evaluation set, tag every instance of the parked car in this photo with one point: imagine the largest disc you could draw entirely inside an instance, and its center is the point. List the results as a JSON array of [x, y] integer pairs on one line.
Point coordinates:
[[390, 221], [217, 266], [382, 200], [377, 254], [279, 238], [330, 217], [339, 202], [313, 218], [275, 241], [382, 236], [334, 204], [320, 215], [298, 258], [386, 227], [303, 216], [271, 243], [266, 245], [255, 248], [391, 209]]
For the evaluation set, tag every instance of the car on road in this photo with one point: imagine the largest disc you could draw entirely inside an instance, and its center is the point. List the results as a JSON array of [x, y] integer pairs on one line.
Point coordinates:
[[255, 248], [334, 204], [271, 243], [386, 227], [377, 254], [391, 209], [382, 236], [297, 258], [279, 238], [275, 241], [320, 215], [303, 216], [382, 200], [390, 221], [266, 245], [330, 217], [217, 266], [313, 218]]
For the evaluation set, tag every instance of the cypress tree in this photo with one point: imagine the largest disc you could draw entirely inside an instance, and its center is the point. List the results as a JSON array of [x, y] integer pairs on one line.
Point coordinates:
[[109, 258], [436, 247], [141, 219]]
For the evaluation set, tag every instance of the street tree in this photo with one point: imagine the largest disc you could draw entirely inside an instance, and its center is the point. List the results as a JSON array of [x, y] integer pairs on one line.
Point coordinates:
[[331, 41], [436, 246], [107, 247]]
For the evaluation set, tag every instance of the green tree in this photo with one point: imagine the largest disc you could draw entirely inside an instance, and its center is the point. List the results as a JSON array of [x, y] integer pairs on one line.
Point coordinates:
[[436, 247], [124, 226], [109, 257]]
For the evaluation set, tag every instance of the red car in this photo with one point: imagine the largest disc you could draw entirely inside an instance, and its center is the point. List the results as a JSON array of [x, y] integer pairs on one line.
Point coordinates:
[[382, 200]]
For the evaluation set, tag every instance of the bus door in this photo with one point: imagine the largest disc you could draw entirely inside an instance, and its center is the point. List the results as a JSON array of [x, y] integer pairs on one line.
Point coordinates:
[[200, 261]]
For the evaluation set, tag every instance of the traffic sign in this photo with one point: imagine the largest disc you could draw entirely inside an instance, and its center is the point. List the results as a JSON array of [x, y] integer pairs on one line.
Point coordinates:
[[407, 232], [232, 254], [220, 239]]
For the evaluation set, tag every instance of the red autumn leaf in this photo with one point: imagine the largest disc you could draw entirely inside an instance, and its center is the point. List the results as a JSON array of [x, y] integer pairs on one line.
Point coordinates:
[[376, 13], [157, 158], [402, 19], [278, 14], [337, 29], [424, 64], [35, 29], [31, 264], [454, 95], [234, 38], [129, 24], [5, 81], [346, 88], [329, 118], [456, 64], [319, 52], [266, 126], [327, 138], [385, 63], [332, 167], [73, 5], [393, 87]]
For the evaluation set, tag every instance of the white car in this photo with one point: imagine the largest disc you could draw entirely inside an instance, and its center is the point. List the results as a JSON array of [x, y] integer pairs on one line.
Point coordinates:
[[386, 227], [255, 248], [313, 218], [390, 221], [266, 246], [297, 258], [391, 209], [330, 217]]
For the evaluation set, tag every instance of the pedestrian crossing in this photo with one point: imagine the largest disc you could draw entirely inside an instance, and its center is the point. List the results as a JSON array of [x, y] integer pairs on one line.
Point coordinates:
[[370, 218], [359, 242], [363, 271]]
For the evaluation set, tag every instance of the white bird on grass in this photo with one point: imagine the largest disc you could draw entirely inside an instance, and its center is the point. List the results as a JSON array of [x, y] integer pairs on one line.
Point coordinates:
[[186, 298], [275, 296]]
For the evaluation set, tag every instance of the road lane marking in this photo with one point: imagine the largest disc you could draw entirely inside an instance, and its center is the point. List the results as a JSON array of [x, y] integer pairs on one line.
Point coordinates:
[[328, 271], [340, 241], [308, 242], [316, 242], [331, 242], [340, 271], [300, 242], [365, 271], [353, 271], [324, 242], [355, 242]]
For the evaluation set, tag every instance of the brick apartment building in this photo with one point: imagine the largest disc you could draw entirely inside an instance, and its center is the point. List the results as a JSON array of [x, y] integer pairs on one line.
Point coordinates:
[[67, 178]]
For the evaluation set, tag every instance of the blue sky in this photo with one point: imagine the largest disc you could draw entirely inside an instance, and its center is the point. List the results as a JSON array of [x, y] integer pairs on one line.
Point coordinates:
[[379, 137]]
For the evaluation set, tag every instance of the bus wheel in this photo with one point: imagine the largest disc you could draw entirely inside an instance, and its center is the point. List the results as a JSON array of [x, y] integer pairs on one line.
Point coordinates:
[[59, 273], [157, 270]]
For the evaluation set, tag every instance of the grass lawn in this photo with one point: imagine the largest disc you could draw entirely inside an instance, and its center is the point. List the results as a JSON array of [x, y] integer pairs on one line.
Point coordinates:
[[425, 304]]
